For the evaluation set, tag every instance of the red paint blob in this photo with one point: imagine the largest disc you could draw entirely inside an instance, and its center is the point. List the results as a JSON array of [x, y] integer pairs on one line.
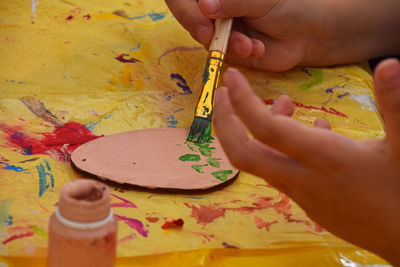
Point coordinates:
[[173, 224], [17, 236], [69, 18], [152, 219], [87, 17], [60, 143], [122, 59]]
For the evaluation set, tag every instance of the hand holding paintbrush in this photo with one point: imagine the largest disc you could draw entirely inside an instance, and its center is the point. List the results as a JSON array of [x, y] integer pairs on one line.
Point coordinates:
[[201, 126]]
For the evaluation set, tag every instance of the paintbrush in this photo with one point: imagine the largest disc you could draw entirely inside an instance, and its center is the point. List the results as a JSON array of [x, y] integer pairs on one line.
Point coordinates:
[[200, 131]]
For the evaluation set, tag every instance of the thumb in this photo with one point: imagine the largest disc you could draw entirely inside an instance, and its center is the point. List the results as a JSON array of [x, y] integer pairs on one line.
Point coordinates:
[[387, 92], [236, 8]]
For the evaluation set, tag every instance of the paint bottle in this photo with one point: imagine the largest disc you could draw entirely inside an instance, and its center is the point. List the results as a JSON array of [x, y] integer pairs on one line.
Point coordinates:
[[83, 230]]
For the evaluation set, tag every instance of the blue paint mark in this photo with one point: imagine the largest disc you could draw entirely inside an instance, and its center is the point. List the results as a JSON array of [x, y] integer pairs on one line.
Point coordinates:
[[156, 16], [343, 95], [13, 168], [183, 85], [90, 125], [169, 98], [306, 71], [195, 197], [153, 16], [135, 48], [171, 121], [44, 172], [9, 220], [137, 17]]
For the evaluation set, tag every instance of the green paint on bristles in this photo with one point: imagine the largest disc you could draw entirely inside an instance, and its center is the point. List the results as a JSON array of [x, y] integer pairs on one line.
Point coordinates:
[[190, 157], [206, 75]]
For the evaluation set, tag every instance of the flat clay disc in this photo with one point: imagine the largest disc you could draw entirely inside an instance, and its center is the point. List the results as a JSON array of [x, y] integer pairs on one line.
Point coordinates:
[[155, 158]]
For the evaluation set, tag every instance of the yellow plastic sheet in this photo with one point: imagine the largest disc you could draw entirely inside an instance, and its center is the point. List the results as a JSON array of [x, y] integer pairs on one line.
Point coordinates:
[[121, 65]]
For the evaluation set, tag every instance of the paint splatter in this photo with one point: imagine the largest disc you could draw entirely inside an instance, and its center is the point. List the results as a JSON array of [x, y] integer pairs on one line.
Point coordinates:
[[38, 231], [172, 122], [226, 245], [343, 95], [17, 236], [190, 157], [280, 203], [28, 160], [124, 204], [90, 125], [134, 224], [135, 48], [207, 237], [206, 214], [222, 175], [87, 17], [5, 216], [199, 168], [178, 223], [127, 238], [13, 168], [59, 144], [179, 48], [215, 162], [34, 4], [262, 224], [39, 109], [319, 78], [309, 107], [69, 18], [152, 219], [44, 171], [182, 83], [156, 16], [122, 59]]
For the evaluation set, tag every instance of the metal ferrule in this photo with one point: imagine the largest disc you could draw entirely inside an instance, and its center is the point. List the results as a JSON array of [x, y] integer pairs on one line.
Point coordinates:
[[211, 74]]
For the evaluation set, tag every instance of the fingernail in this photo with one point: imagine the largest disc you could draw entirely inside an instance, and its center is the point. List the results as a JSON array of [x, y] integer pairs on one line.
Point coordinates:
[[212, 6], [391, 74]]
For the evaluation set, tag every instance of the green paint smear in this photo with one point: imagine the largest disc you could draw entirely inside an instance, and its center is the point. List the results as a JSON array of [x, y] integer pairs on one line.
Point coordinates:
[[319, 77], [199, 168], [222, 175], [215, 162], [206, 75], [191, 146], [39, 231], [190, 157], [4, 211]]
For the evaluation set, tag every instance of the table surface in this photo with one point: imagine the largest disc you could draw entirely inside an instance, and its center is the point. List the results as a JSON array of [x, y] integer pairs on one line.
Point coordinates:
[[74, 70]]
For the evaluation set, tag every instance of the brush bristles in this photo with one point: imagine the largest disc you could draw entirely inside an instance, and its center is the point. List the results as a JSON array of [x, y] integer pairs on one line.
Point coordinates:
[[198, 129]]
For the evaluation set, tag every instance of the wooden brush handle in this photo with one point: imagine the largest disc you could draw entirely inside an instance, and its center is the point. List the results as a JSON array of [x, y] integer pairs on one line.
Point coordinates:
[[222, 32]]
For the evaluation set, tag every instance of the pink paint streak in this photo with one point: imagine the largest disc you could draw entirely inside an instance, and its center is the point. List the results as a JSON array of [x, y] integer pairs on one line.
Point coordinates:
[[134, 224], [309, 107], [262, 224], [208, 237], [122, 59], [127, 238], [124, 204], [173, 224], [17, 236], [60, 143], [206, 214]]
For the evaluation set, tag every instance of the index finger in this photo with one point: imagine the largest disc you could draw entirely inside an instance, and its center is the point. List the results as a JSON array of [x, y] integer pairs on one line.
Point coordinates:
[[188, 14]]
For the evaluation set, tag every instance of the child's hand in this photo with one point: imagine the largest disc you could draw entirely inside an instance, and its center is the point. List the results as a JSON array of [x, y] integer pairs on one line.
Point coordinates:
[[276, 35], [352, 188]]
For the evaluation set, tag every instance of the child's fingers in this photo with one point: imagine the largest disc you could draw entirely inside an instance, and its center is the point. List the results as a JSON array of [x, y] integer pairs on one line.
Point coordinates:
[[387, 91], [283, 106], [188, 14], [306, 144], [249, 154], [322, 123]]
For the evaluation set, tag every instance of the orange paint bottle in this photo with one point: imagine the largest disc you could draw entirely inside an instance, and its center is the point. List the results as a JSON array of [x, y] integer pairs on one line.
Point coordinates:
[[83, 230]]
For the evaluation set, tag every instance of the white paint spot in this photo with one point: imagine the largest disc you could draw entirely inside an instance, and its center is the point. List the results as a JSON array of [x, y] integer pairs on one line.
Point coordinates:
[[366, 101], [34, 4]]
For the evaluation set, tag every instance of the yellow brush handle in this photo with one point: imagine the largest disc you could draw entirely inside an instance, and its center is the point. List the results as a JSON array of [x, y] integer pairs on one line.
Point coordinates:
[[212, 70]]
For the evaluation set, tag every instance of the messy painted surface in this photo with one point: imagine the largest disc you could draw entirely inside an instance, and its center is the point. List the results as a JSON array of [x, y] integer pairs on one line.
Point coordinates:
[[76, 70]]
